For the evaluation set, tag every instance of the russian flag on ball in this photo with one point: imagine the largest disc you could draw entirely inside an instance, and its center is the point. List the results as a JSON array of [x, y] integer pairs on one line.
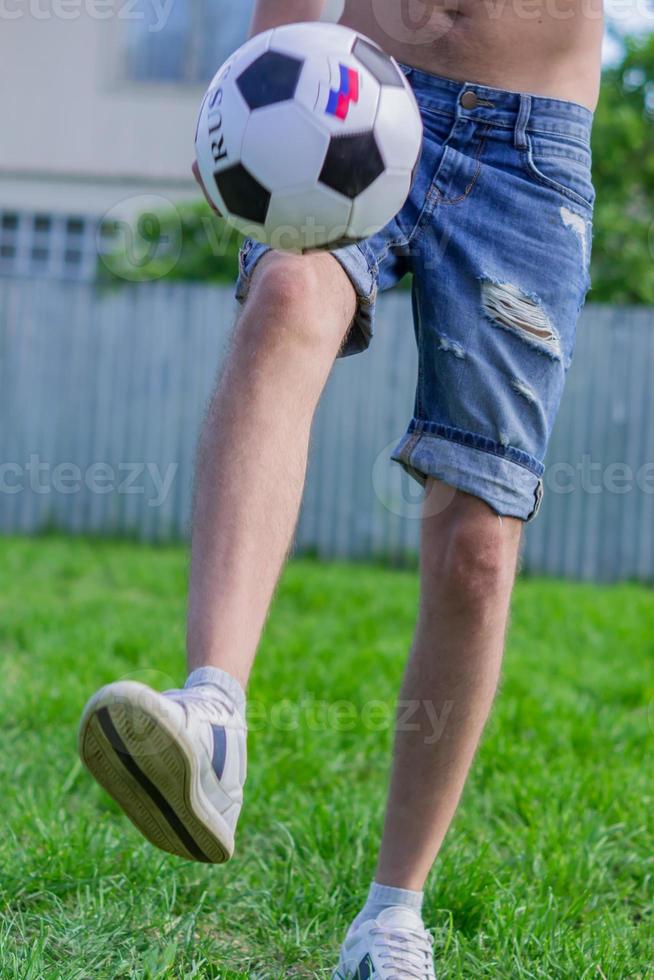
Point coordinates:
[[340, 99]]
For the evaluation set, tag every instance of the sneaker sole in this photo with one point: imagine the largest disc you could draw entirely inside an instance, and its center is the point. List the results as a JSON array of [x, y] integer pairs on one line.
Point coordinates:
[[128, 744]]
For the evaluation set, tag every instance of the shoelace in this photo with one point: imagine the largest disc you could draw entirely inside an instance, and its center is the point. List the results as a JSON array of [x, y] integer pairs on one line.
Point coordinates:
[[408, 952]]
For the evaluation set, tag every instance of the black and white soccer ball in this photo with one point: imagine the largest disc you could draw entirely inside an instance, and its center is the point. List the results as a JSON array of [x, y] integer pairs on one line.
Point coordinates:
[[309, 136]]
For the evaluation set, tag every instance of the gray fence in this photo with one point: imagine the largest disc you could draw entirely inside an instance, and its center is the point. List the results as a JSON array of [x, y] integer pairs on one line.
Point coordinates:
[[102, 396]]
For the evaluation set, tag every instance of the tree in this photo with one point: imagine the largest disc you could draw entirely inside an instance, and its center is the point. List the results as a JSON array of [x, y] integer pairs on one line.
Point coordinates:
[[623, 172]]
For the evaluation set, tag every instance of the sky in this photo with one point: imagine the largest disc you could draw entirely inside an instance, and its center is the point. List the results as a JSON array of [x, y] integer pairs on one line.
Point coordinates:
[[629, 16]]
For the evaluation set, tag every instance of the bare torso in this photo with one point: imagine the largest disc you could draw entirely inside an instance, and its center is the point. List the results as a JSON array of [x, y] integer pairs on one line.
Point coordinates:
[[544, 47]]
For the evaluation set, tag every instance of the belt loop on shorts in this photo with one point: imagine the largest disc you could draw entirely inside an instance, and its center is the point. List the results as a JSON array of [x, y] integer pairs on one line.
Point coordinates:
[[520, 135]]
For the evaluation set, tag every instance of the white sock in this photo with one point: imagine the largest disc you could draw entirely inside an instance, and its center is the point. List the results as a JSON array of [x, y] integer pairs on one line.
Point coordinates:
[[228, 686], [382, 897]]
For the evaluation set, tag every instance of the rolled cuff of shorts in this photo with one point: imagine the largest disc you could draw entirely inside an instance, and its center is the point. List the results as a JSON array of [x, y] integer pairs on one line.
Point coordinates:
[[475, 465], [359, 265], [250, 254]]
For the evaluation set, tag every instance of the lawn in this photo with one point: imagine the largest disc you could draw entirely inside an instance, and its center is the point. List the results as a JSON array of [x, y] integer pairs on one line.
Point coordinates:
[[548, 869]]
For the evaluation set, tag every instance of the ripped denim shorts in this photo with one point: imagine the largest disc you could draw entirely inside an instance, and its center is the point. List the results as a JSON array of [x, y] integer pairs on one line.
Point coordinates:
[[497, 234]]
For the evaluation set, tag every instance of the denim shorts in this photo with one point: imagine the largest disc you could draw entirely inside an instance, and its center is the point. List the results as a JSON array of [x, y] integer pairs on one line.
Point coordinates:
[[497, 234]]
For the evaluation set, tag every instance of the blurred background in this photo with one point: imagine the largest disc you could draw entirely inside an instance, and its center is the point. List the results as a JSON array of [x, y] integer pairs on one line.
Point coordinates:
[[116, 304]]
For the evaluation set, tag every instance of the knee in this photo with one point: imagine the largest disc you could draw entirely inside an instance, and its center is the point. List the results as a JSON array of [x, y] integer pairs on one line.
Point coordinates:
[[304, 299], [474, 560], [285, 283]]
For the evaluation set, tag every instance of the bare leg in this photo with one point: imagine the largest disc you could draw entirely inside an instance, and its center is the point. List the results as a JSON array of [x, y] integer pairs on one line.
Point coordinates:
[[468, 560], [253, 452]]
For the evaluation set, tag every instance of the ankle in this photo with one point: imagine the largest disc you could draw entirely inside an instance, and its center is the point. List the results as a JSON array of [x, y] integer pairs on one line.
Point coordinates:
[[382, 897], [222, 681]]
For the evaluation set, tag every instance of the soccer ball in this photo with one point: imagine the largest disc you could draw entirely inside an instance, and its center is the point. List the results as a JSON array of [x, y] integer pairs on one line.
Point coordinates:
[[308, 137]]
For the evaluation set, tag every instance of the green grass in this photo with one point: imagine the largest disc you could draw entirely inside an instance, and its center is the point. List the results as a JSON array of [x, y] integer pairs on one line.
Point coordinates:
[[548, 869]]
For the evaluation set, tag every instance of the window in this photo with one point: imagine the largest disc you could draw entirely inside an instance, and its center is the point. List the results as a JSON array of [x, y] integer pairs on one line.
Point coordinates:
[[185, 41], [55, 246], [8, 240]]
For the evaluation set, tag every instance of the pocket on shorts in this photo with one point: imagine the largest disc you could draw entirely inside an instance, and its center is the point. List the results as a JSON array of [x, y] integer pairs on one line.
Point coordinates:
[[562, 164]]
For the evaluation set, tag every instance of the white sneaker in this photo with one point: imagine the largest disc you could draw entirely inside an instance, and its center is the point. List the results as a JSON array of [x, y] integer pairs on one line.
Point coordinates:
[[174, 762], [394, 946]]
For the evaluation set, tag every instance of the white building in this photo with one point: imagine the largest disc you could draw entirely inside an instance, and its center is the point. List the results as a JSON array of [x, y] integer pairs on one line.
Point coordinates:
[[99, 105]]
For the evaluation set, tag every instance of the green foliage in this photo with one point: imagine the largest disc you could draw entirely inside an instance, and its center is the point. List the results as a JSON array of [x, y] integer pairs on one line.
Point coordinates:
[[185, 242], [623, 154], [547, 872]]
